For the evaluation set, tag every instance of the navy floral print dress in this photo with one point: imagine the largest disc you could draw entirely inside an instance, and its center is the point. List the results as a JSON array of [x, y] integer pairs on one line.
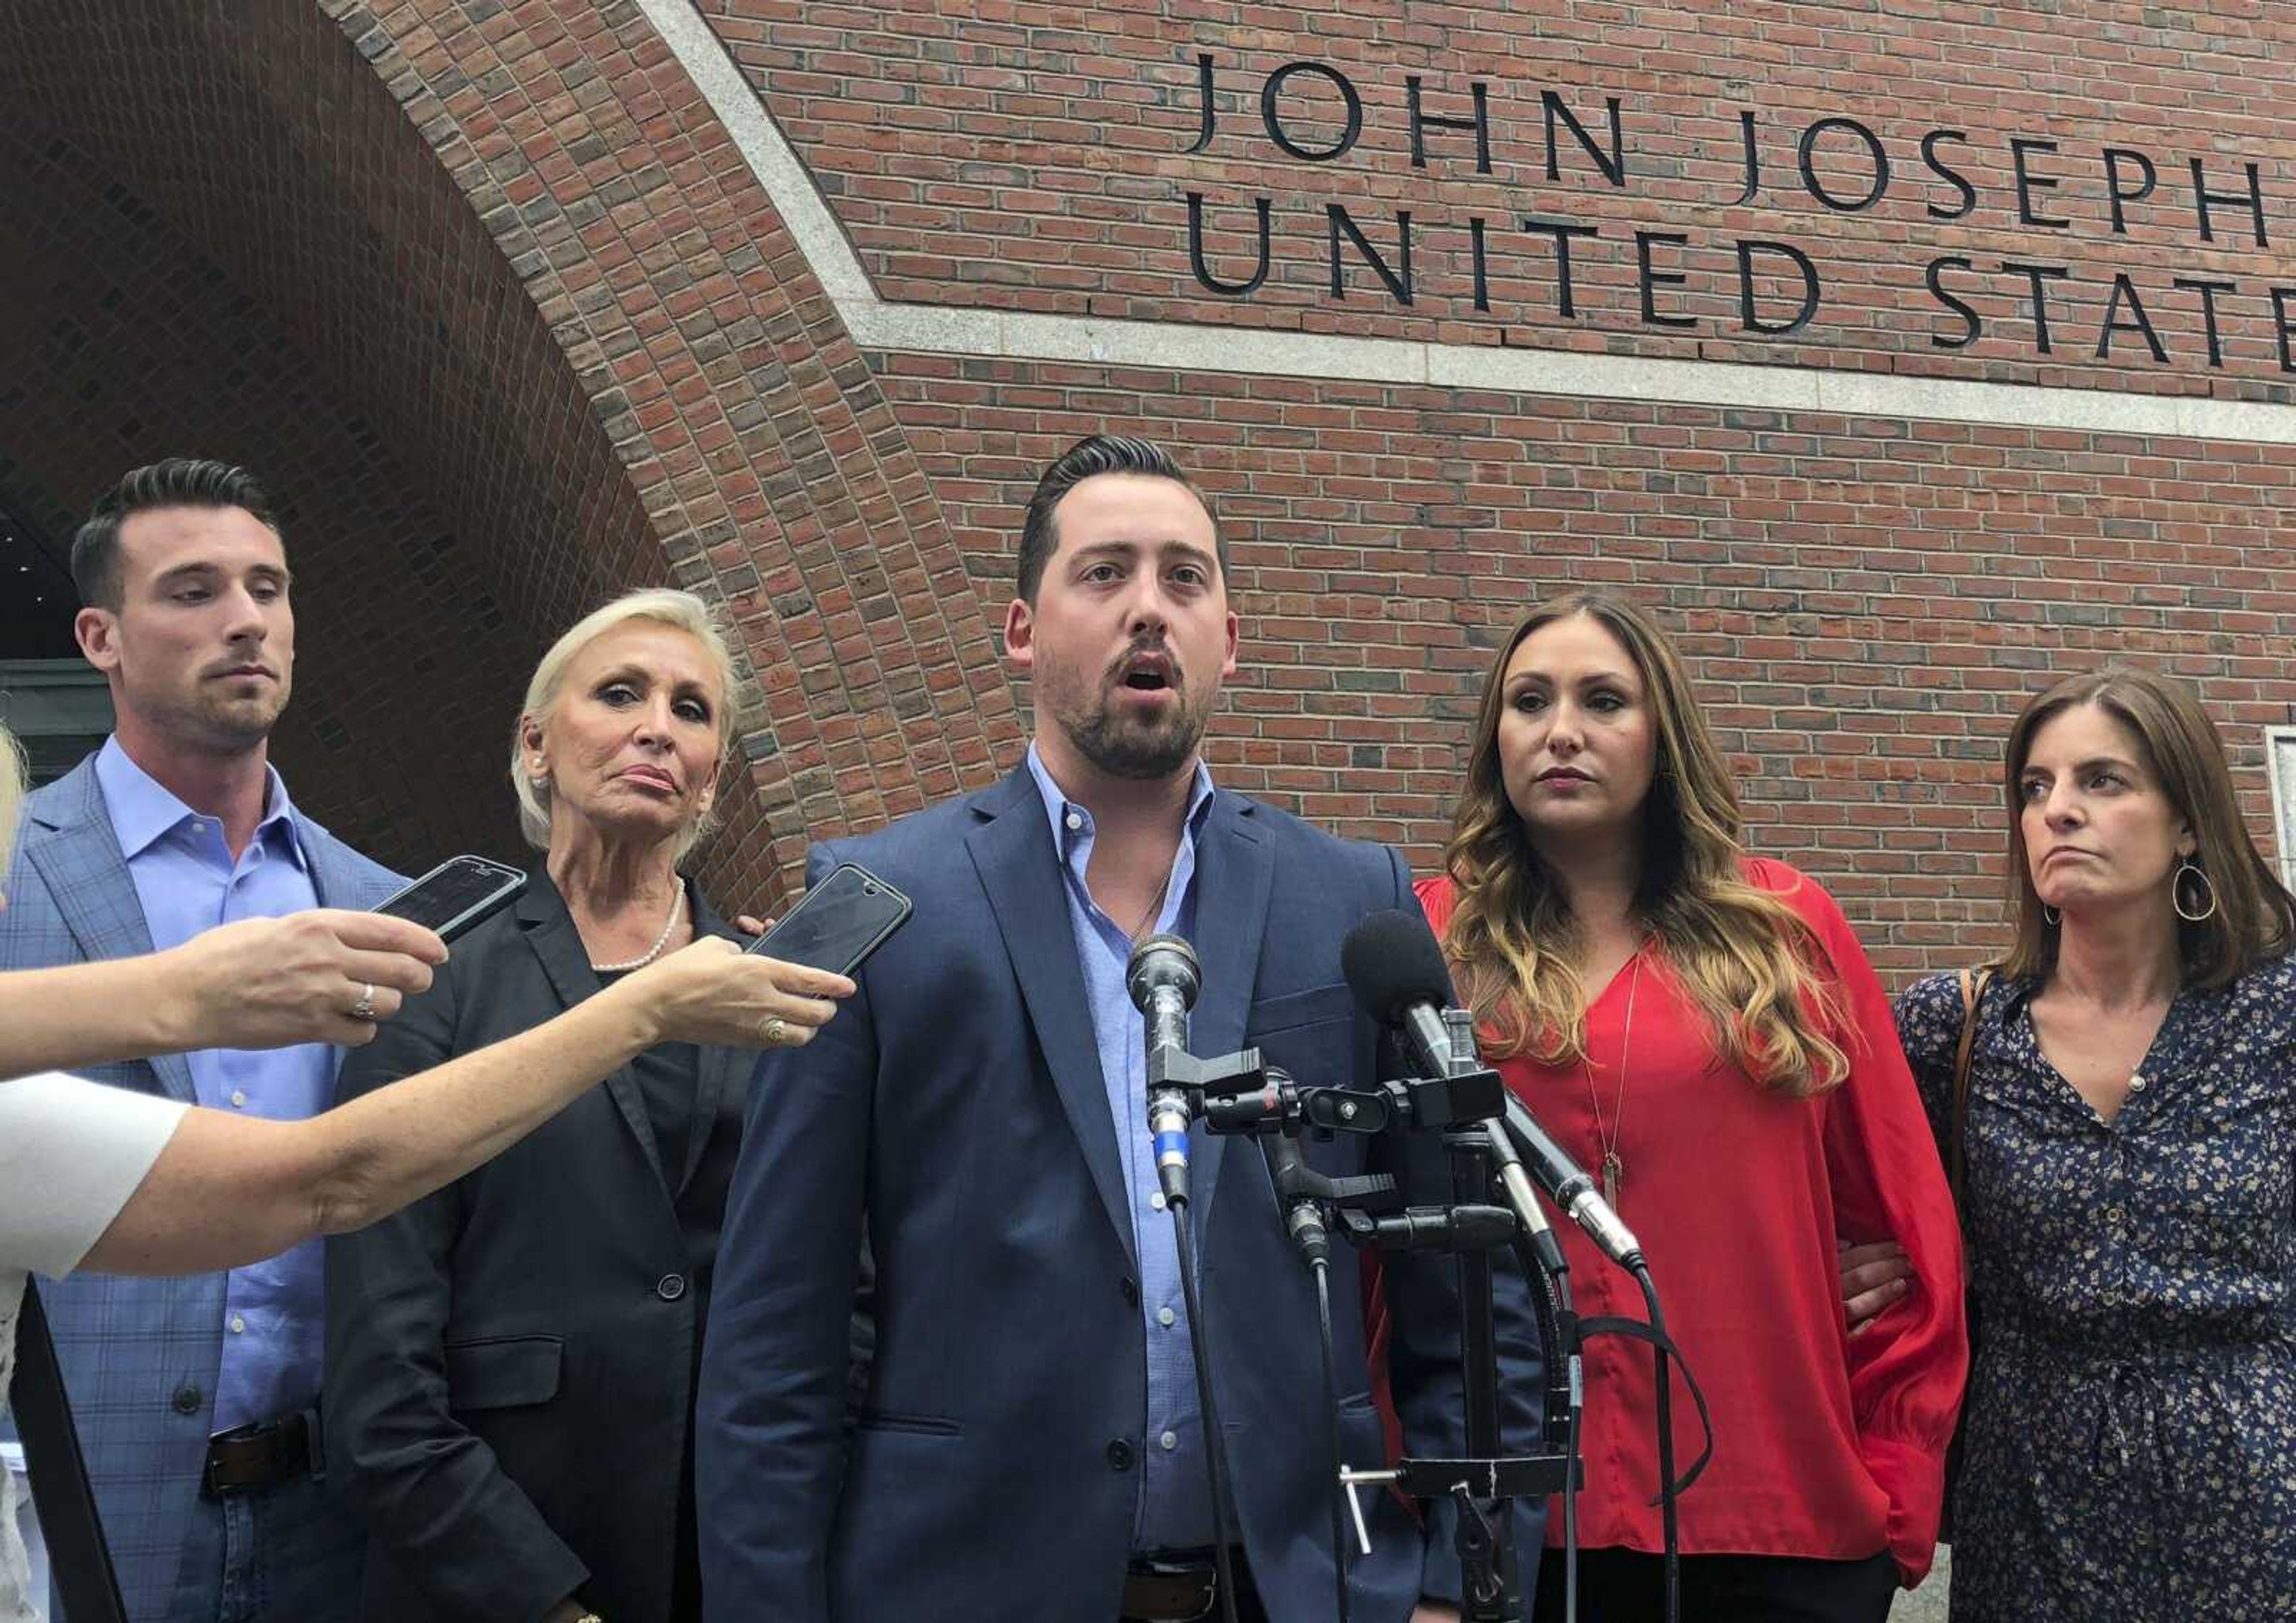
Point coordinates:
[[2130, 1454]]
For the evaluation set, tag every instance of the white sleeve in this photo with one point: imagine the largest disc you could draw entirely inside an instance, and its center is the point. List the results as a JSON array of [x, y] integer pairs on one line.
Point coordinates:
[[71, 1153]]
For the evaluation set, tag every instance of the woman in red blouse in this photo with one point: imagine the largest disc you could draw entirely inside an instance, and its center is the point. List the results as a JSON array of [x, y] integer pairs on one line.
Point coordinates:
[[1701, 1029]]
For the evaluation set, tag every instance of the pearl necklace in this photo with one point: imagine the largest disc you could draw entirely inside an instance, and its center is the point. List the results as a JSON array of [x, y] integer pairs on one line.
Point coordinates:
[[676, 910]]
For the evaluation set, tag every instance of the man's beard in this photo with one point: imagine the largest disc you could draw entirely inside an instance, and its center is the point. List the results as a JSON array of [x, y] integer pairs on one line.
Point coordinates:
[[1139, 750], [1131, 747]]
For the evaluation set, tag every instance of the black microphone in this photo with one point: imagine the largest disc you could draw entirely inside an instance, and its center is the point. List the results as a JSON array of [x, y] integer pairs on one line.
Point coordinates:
[[1396, 972], [1566, 1185], [1162, 979]]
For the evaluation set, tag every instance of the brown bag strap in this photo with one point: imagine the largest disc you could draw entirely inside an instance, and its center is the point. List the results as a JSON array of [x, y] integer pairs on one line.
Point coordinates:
[[1973, 983]]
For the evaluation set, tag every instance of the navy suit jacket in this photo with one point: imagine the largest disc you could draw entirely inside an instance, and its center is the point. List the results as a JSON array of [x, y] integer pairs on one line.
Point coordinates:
[[140, 1356], [956, 1105]]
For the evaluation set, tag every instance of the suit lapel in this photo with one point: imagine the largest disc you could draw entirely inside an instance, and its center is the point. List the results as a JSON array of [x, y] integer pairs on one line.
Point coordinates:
[[549, 930], [1012, 852], [714, 1075], [1233, 874], [77, 855]]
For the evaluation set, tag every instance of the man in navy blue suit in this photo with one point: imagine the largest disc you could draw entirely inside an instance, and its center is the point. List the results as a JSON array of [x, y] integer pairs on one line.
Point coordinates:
[[1030, 1445]]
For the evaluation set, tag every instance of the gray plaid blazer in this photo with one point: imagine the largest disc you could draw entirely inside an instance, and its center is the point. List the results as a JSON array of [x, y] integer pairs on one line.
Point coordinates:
[[141, 1357]]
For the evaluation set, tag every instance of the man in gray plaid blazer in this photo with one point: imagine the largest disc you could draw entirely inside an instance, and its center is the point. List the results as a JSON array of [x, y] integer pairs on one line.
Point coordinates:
[[195, 1398]]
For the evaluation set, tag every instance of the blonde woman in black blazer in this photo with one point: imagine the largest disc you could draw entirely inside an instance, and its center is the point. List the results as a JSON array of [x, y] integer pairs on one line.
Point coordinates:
[[511, 1362]]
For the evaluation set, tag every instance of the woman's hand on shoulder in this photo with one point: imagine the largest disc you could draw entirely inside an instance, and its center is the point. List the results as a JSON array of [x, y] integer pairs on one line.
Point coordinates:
[[712, 992], [268, 983]]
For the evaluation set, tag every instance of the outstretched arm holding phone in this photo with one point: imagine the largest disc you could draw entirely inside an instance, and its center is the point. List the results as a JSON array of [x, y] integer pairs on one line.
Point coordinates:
[[261, 983], [228, 1190]]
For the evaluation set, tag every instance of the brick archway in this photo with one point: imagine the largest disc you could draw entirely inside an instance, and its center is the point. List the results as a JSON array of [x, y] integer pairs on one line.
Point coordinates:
[[507, 318]]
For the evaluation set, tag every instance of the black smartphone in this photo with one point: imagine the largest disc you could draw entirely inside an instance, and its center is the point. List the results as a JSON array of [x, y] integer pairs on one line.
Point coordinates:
[[458, 895], [839, 923]]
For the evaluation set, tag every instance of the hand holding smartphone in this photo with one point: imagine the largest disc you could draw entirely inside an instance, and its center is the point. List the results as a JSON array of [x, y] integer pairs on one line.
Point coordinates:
[[457, 896], [840, 922]]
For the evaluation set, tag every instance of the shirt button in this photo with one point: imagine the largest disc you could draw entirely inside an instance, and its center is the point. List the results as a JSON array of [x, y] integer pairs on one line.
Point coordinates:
[[1119, 1456], [187, 1400], [669, 1287], [2113, 1213], [239, 1097], [1157, 1199], [1131, 1288], [238, 1324], [1165, 1316], [1075, 822], [1168, 1441], [2137, 1083]]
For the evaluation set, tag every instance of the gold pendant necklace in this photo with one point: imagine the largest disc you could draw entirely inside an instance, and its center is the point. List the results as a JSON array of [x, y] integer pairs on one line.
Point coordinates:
[[1607, 1133]]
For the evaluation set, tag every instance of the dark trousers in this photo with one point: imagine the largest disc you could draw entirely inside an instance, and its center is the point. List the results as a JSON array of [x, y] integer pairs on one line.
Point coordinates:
[[1628, 1586]]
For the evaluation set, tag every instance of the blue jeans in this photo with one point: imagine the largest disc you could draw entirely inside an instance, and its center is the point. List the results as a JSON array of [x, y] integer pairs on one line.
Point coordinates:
[[285, 1554]]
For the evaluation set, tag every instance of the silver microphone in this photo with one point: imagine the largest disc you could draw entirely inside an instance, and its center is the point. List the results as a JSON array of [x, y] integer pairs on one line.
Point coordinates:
[[1162, 979]]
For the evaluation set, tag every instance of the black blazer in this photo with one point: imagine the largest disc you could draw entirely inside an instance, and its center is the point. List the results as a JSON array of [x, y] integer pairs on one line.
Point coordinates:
[[509, 1370]]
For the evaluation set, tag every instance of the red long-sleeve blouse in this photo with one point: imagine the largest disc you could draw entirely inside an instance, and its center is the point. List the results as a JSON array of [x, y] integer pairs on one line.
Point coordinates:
[[1824, 1446]]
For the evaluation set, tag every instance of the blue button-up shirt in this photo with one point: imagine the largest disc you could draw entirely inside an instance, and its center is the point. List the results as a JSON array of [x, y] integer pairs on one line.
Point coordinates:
[[1176, 1510], [274, 1324]]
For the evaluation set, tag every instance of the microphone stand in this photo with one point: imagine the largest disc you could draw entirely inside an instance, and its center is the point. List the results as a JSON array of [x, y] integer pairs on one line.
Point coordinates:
[[1484, 1483], [1215, 1440]]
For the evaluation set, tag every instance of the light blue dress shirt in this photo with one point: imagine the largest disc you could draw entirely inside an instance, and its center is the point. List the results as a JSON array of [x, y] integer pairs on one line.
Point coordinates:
[[1176, 1508], [274, 1322]]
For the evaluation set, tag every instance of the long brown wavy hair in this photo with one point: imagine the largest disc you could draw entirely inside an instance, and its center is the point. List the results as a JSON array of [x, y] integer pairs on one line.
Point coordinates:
[[2254, 918], [1753, 965]]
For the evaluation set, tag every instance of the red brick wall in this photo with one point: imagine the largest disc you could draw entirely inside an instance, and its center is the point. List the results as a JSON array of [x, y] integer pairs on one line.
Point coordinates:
[[496, 273], [1038, 157], [1865, 603]]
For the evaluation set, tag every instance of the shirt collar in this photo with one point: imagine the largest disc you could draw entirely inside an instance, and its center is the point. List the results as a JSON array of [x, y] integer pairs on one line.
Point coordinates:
[[1058, 806], [143, 810]]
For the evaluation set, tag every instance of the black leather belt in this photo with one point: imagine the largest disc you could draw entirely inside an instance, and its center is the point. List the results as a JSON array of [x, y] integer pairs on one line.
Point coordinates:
[[259, 1455], [1179, 1587]]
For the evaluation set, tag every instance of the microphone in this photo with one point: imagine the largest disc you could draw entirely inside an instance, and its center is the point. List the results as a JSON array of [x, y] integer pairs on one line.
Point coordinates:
[[1508, 1163], [1162, 979], [1396, 972], [1566, 1185]]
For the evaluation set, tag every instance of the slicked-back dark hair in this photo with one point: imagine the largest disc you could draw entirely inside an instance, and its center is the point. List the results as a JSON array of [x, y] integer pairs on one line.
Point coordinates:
[[1093, 455], [176, 482]]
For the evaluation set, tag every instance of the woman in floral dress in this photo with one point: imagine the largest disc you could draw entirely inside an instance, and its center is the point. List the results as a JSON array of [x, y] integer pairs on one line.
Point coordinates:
[[2129, 1202]]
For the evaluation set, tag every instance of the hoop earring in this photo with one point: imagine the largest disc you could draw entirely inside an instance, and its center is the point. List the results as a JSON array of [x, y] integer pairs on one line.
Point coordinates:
[[2052, 914], [2176, 892]]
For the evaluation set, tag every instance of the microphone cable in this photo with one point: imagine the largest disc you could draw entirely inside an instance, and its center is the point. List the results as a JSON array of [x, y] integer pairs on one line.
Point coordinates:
[[1322, 1268], [1667, 1490], [1215, 1440], [1558, 1326]]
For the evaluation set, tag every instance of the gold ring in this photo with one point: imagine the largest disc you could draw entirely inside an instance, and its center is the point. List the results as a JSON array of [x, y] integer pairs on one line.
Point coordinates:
[[776, 1029], [364, 1009]]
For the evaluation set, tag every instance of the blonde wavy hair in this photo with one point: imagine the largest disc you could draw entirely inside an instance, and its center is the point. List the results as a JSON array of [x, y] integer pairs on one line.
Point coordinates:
[[1753, 966], [680, 610]]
